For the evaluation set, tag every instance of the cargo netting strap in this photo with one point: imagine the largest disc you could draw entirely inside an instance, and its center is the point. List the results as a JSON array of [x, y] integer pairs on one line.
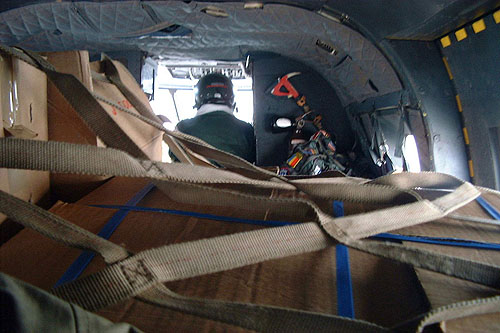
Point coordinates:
[[143, 282], [184, 154], [261, 318], [461, 310], [197, 184], [139, 276], [191, 184], [112, 72], [54, 227]]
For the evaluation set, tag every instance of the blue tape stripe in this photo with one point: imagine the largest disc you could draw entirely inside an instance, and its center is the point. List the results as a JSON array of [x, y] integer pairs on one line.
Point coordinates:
[[345, 300], [81, 263], [489, 208], [198, 215], [430, 240], [439, 241], [338, 208]]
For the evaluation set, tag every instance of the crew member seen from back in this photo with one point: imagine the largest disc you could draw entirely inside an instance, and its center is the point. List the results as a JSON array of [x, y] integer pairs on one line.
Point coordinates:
[[215, 123]]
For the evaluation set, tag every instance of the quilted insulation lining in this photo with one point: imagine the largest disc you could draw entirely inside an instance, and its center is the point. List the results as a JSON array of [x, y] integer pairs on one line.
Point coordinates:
[[290, 31]]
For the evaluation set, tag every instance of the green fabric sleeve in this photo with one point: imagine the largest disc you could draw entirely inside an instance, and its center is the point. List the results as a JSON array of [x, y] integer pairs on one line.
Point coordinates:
[[25, 308]]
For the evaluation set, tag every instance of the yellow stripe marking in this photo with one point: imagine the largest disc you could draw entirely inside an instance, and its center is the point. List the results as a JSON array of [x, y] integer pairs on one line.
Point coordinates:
[[461, 34], [471, 169], [459, 103], [446, 41], [448, 69], [496, 16], [466, 136], [478, 26]]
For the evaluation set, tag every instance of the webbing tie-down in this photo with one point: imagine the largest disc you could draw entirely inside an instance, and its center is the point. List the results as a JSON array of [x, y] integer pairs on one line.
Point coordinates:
[[250, 316], [206, 308], [191, 182], [58, 229], [446, 241], [347, 229]]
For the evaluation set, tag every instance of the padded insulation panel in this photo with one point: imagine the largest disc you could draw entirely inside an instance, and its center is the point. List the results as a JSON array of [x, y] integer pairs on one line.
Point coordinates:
[[127, 25]]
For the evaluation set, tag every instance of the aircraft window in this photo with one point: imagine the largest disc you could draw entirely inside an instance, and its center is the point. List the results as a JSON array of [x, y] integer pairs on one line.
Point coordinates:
[[174, 98], [410, 154]]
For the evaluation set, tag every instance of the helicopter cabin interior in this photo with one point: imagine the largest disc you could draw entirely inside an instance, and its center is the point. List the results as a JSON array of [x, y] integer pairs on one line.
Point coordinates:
[[413, 89], [399, 85]]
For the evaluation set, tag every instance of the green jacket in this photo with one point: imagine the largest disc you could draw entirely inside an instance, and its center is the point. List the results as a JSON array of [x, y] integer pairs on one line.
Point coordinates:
[[224, 131]]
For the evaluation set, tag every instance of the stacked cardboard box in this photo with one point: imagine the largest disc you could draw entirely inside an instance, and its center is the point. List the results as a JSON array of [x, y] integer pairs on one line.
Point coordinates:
[[146, 137], [66, 125], [31, 107], [306, 281], [23, 106]]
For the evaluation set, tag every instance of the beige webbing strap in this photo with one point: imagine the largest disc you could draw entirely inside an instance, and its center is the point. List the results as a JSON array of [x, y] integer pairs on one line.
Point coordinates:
[[461, 310], [383, 220], [93, 113], [178, 151], [181, 152], [64, 157], [422, 180], [449, 265], [350, 191], [86, 159], [179, 261], [58, 229], [256, 317], [112, 73]]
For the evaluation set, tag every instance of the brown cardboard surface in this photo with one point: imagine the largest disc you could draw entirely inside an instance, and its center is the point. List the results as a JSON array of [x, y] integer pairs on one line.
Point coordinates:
[[23, 103], [72, 62], [4, 178], [66, 125], [146, 137], [305, 282], [129, 81]]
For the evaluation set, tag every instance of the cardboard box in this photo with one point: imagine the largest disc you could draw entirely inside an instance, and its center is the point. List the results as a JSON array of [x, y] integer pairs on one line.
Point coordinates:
[[62, 116], [306, 281], [4, 177], [23, 104], [147, 138], [66, 125]]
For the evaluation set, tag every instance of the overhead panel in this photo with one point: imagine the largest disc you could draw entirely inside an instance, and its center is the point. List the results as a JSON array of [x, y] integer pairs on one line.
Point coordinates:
[[211, 31]]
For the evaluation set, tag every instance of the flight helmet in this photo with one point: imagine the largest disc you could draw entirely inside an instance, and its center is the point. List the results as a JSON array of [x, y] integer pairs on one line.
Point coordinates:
[[214, 88]]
